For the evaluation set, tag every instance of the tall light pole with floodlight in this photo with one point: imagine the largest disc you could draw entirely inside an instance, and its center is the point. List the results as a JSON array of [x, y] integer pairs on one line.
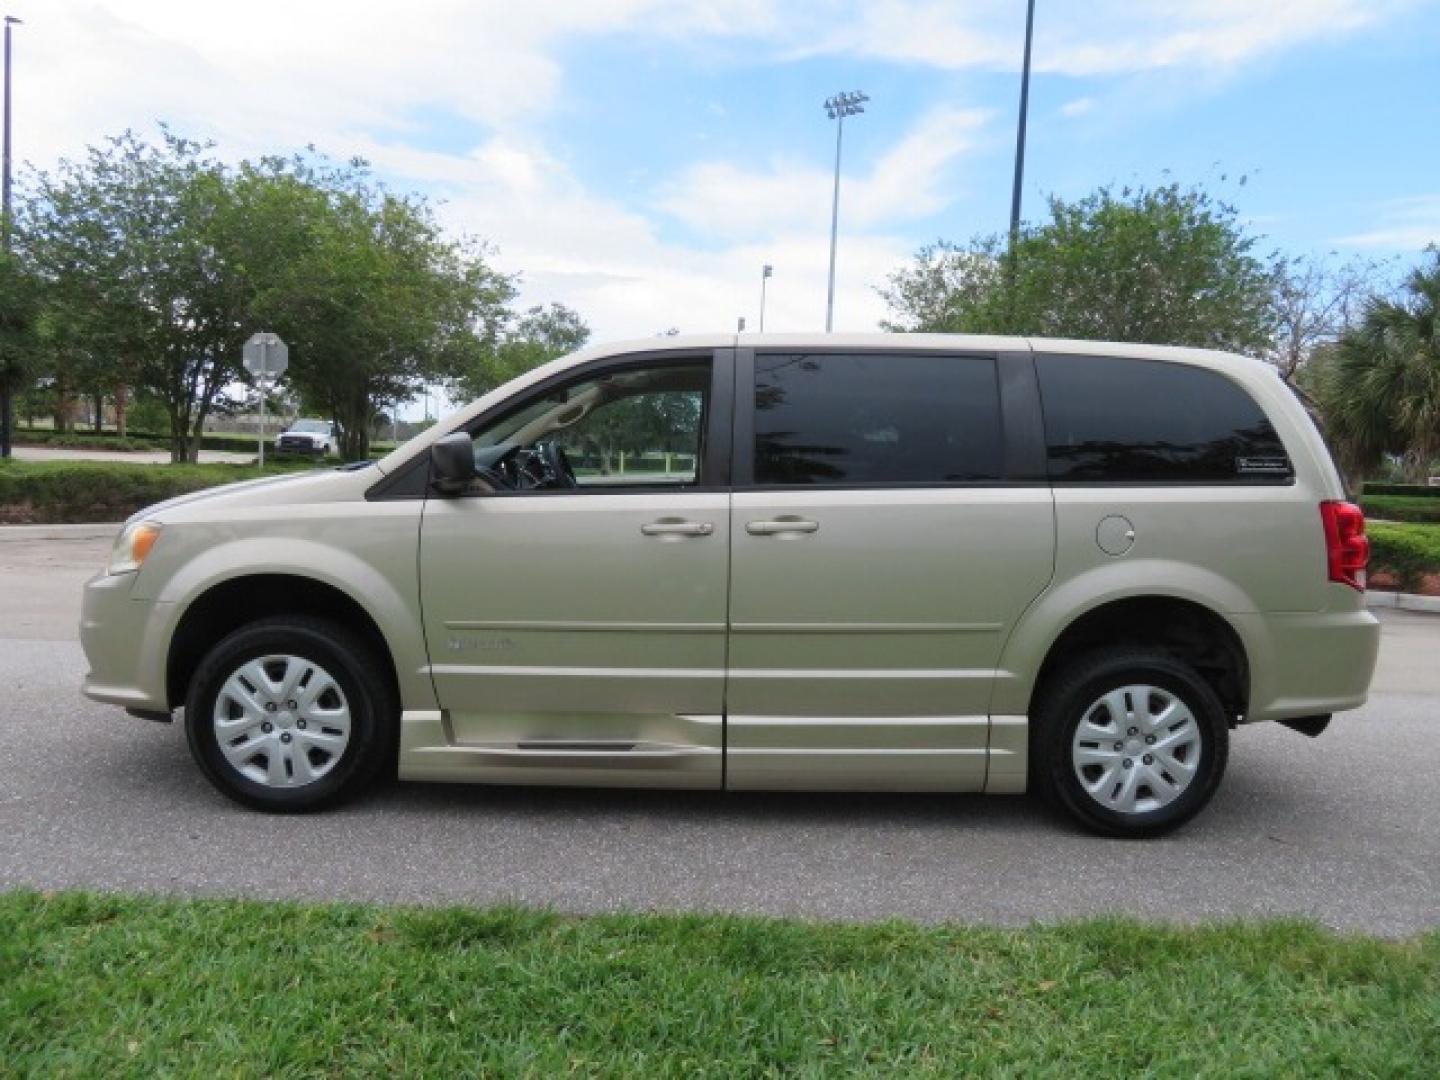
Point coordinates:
[[6, 401], [1020, 128], [765, 272], [846, 103], [10, 22]]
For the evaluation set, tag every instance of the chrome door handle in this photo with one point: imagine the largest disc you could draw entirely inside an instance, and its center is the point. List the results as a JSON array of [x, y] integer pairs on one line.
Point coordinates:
[[678, 528], [781, 525]]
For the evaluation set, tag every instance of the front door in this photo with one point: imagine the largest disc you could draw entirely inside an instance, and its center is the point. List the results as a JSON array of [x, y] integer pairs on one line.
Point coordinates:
[[882, 546], [575, 611]]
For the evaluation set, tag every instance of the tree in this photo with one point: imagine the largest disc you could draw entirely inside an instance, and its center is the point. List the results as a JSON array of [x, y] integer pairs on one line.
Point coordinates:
[[1312, 304], [540, 335], [373, 299], [1158, 265], [20, 299], [664, 421], [1380, 388], [144, 285], [162, 260]]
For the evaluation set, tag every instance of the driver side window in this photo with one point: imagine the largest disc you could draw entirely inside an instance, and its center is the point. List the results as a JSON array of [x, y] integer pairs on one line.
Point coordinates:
[[628, 427]]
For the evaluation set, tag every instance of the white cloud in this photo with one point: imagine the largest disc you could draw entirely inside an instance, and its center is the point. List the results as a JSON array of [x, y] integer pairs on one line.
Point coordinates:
[[912, 180], [270, 73], [281, 73], [1098, 37], [359, 77], [1078, 107], [1408, 224], [611, 263]]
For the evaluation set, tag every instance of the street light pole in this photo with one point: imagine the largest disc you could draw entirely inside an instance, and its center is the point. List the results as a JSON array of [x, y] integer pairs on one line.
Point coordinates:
[[765, 272], [1020, 130], [6, 402], [846, 103], [10, 22]]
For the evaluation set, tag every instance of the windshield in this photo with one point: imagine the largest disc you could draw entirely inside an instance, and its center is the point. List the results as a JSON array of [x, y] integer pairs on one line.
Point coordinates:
[[312, 427]]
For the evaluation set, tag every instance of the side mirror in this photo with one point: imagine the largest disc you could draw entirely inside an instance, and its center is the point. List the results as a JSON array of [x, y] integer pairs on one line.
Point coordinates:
[[452, 463]]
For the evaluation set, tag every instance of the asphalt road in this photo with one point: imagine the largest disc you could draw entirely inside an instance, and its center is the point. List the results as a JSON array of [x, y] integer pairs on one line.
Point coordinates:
[[1344, 828]]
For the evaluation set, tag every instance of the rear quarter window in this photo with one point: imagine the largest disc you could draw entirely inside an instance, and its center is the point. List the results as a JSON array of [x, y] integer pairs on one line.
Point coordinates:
[[1122, 420]]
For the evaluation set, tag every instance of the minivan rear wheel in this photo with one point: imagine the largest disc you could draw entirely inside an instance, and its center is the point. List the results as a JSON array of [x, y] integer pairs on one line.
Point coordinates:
[[1129, 742], [290, 714]]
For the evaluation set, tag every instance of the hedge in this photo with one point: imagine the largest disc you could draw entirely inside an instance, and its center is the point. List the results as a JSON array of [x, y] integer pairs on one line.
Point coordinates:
[[88, 440], [55, 492], [1419, 490], [1409, 553], [133, 441], [1401, 508], [80, 439]]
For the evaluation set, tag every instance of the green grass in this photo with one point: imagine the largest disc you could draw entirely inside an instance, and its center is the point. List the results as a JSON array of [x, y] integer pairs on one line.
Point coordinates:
[[1419, 509], [50, 492], [109, 986], [1409, 552]]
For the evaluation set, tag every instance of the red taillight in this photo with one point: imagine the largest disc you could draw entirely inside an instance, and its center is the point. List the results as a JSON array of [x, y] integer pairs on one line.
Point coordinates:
[[1346, 548]]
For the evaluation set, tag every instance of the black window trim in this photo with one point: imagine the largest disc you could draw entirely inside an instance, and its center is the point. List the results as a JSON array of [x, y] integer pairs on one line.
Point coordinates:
[[714, 473], [1233, 482], [1021, 428]]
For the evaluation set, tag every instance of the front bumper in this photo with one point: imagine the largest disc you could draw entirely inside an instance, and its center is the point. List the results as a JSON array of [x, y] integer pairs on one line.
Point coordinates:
[[123, 641]]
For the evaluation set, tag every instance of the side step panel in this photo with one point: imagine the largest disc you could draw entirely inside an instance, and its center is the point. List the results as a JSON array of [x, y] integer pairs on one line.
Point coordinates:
[[980, 756], [427, 752]]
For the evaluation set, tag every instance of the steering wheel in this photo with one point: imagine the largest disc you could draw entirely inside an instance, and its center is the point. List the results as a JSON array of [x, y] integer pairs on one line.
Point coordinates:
[[542, 466], [557, 465]]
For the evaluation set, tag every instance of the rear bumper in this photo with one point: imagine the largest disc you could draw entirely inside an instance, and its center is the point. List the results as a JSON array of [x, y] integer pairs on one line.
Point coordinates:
[[1304, 664], [123, 642]]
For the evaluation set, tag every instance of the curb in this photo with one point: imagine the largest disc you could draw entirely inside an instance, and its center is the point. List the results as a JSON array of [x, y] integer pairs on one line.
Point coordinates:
[[1403, 601], [98, 531]]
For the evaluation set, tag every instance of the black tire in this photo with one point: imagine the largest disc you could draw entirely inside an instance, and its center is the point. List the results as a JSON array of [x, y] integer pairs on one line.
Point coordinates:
[[1062, 705], [374, 712]]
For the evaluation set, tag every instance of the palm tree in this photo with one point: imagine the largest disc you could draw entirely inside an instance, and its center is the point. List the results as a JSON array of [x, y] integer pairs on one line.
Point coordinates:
[[1381, 394]]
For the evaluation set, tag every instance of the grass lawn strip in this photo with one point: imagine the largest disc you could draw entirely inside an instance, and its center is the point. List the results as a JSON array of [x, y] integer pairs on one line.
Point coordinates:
[[104, 985]]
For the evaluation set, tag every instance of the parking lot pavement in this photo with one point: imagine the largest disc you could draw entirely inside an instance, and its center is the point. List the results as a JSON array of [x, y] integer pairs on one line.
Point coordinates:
[[1344, 828]]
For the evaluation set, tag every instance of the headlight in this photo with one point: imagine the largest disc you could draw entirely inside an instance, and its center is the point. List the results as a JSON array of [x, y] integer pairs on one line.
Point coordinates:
[[132, 546]]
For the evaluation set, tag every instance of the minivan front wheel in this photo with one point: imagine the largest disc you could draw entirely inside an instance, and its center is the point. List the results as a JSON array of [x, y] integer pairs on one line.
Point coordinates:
[[1130, 742], [289, 714]]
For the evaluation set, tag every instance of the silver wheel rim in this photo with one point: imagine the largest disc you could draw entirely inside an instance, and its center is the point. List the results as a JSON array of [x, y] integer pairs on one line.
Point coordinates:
[[1136, 749], [282, 721]]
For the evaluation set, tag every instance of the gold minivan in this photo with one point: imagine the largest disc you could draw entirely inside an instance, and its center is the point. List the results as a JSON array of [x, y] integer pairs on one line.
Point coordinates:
[[839, 562]]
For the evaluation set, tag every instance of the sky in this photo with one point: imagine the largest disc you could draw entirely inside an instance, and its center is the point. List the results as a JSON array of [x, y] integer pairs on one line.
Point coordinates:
[[641, 160]]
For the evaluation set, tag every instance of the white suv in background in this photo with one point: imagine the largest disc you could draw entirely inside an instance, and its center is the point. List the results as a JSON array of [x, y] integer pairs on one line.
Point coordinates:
[[308, 437]]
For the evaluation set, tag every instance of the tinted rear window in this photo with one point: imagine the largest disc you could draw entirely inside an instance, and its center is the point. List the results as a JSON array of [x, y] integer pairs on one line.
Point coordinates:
[[1136, 421], [875, 419]]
